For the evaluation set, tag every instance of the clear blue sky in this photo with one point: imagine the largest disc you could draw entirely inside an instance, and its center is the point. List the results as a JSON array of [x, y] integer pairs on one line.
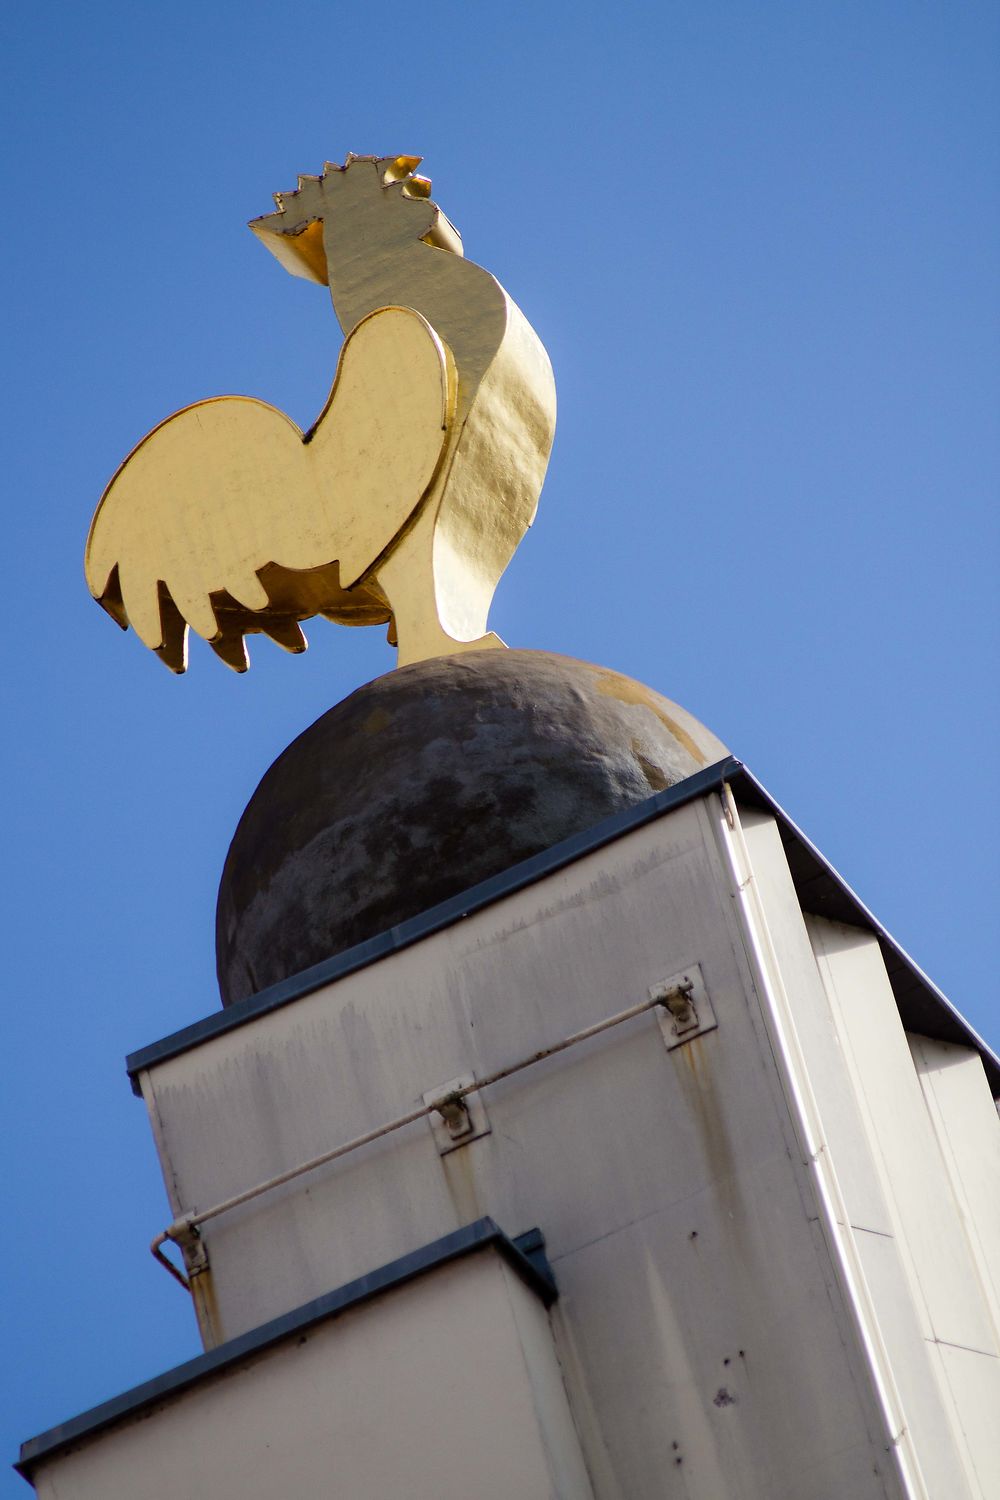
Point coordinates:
[[760, 241]]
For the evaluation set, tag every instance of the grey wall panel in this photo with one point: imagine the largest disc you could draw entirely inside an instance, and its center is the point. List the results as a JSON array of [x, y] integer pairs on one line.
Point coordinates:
[[448, 1386]]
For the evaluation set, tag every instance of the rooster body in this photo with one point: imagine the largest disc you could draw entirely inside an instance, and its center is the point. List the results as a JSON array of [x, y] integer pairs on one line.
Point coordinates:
[[404, 502]]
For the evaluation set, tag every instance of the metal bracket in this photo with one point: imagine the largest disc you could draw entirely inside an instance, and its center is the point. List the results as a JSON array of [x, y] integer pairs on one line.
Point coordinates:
[[458, 1117], [684, 1010], [194, 1250]]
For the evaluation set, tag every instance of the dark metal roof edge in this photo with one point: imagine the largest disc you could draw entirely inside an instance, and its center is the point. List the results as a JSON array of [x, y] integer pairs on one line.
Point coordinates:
[[524, 1254], [525, 873], [744, 781], [546, 863]]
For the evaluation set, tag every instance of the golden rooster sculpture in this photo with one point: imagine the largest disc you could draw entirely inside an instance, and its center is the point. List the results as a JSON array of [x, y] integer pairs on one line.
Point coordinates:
[[406, 499]]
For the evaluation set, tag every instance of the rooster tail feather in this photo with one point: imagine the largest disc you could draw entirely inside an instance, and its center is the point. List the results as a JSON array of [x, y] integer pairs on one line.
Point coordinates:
[[174, 651], [111, 599], [285, 633], [232, 649]]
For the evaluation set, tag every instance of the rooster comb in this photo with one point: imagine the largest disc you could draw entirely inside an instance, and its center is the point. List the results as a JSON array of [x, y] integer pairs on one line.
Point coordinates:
[[293, 233], [306, 199]]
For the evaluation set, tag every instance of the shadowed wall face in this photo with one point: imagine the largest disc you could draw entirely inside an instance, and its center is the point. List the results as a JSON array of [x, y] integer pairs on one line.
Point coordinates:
[[426, 781]]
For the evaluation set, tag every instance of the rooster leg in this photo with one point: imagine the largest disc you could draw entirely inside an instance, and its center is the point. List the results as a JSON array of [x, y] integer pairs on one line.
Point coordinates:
[[420, 584], [173, 652]]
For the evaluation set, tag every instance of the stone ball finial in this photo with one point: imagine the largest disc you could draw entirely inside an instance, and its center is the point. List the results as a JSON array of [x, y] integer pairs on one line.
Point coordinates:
[[425, 782]]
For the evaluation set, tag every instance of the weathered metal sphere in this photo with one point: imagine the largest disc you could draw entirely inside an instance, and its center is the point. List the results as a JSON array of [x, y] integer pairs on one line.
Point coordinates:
[[423, 783]]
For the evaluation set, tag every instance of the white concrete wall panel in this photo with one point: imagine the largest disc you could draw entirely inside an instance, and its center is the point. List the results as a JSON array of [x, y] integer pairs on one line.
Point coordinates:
[[927, 1410], [905, 1150], [851, 1157], [829, 1071], [964, 1117], [971, 1383], [940, 1292]]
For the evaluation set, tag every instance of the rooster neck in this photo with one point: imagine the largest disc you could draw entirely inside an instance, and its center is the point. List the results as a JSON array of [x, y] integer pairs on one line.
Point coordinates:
[[464, 304]]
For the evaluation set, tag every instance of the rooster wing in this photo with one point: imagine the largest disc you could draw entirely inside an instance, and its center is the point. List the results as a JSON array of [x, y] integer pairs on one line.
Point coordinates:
[[230, 489]]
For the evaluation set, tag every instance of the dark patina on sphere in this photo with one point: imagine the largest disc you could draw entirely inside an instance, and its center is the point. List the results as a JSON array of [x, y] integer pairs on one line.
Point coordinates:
[[423, 783]]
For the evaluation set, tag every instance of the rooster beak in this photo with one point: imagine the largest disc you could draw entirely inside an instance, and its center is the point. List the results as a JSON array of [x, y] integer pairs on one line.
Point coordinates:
[[300, 251]]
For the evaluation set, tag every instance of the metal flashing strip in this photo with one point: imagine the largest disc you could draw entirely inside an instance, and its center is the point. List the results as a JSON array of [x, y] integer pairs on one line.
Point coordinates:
[[922, 1006], [525, 1254]]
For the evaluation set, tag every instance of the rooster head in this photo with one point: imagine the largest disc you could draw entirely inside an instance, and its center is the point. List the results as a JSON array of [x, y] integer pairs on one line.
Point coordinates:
[[377, 200]]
